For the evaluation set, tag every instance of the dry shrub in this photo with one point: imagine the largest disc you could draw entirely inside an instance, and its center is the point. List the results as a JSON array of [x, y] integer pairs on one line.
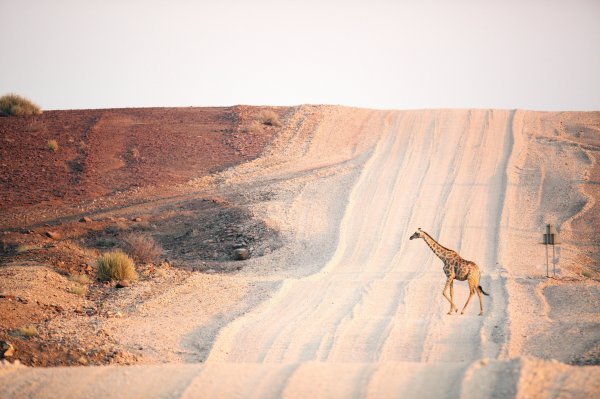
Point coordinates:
[[142, 247], [254, 127], [268, 117], [13, 104], [80, 279], [134, 154], [116, 265], [26, 331], [26, 248], [53, 145], [80, 290]]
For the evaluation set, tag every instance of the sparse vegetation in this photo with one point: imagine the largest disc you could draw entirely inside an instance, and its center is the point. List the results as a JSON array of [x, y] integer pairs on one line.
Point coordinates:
[[142, 248], [106, 242], [26, 248], [254, 127], [268, 117], [116, 265], [53, 145], [80, 278], [134, 153], [13, 104], [26, 331], [78, 290]]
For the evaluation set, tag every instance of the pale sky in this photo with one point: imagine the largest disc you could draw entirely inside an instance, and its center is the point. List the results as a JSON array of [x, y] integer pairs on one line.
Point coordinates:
[[532, 54]]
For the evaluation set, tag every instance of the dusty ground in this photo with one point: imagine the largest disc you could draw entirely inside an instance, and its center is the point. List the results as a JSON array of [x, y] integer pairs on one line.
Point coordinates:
[[553, 176], [335, 301], [95, 174]]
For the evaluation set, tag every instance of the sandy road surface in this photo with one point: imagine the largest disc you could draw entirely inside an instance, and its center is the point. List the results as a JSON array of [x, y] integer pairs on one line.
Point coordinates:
[[359, 311], [378, 297]]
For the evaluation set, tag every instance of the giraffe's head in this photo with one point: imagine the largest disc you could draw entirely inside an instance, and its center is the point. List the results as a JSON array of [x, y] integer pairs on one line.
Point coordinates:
[[417, 234]]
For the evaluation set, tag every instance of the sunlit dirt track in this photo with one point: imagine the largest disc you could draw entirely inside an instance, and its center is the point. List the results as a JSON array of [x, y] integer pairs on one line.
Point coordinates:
[[359, 310]]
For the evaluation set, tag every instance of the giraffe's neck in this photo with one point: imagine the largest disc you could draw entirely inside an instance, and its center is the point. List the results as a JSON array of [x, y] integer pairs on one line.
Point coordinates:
[[437, 249]]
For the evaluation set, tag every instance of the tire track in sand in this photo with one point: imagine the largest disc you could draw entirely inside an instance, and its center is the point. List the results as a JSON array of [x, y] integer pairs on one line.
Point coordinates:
[[379, 297], [371, 322]]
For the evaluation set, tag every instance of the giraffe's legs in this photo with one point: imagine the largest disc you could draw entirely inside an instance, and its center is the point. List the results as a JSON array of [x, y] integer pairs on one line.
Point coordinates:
[[471, 293], [480, 302], [452, 297], [447, 288]]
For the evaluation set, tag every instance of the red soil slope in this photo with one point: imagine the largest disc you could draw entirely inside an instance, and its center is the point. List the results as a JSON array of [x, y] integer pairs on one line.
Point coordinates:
[[104, 151]]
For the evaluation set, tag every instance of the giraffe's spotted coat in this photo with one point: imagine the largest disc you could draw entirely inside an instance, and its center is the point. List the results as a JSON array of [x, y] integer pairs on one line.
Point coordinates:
[[455, 268]]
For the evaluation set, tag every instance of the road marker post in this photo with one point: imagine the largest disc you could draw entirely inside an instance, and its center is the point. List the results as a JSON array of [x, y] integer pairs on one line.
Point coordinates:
[[550, 239]]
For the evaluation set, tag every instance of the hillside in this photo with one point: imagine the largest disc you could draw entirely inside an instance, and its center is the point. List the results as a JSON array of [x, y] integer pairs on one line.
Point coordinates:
[[335, 299]]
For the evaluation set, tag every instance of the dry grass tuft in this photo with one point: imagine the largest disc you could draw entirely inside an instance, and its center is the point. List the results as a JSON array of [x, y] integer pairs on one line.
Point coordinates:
[[13, 104], [26, 248], [134, 154], [254, 127], [142, 248], [80, 290], [116, 266], [80, 279], [26, 331], [53, 145], [268, 117]]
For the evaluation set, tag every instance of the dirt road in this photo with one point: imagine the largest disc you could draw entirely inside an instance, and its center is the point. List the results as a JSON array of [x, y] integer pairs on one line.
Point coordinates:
[[357, 310], [378, 297]]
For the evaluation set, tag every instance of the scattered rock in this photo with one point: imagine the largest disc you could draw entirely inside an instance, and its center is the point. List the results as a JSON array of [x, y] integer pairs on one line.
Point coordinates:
[[54, 235], [86, 219], [123, 284], [6, 349], [91, 311], [241, 254], [137, 219]]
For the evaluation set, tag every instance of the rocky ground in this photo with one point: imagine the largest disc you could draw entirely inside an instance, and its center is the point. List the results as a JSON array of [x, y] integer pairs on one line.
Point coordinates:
[[115, 172]]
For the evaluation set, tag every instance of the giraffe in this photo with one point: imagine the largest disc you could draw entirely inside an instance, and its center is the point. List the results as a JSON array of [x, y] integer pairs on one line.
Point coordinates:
[[455, 267]]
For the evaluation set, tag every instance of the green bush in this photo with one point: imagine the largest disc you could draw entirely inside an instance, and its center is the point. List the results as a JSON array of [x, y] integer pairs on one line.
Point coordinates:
[[13, 104], [116, 265]]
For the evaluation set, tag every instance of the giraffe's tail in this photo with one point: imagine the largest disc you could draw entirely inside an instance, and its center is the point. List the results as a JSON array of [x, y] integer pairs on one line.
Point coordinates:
[[482, 291]]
